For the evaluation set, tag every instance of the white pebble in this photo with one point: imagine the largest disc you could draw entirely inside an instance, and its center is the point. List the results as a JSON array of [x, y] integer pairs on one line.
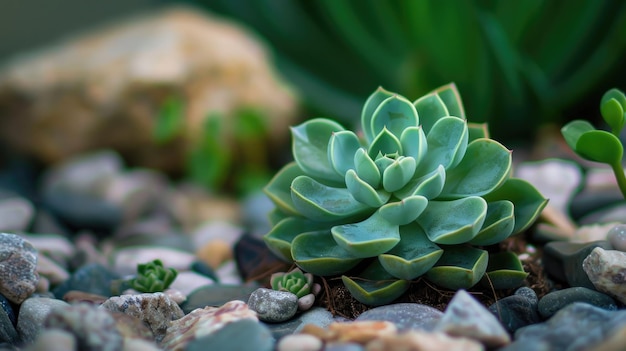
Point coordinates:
[[299, 342], [617, 237]]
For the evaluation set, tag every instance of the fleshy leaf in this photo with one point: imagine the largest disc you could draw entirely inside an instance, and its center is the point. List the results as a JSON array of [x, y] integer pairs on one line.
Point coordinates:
[[372, 103], [414, 144], [279, 239], [477, 131], [404, 211], [499, 223], [450, 96], [310, 148], [573, 130], [368, 238], [485, 166], [343, 146], [306, 250], [430, 108], [613, 114], [362, 192], [447, 142], [375, 286], [276, 215], [322, 203], [527, 201], [413, 256], [385, 143], [394, 114], [279, 188], [453, 222], [460, 267], [429, 185], [366, 168], [398, 174], [504, 271], [600, 146]]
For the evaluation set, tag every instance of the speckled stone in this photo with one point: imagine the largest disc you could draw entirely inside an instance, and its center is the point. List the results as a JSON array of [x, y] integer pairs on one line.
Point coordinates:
[[33, 313], [554, 301], [607, 271], [617, 237], [243, 335], [273, 305], [18, 277], [406, 316], [423, 341]]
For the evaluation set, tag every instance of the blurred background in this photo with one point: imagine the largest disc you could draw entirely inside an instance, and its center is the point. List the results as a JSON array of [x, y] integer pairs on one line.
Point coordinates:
[[522, 66]]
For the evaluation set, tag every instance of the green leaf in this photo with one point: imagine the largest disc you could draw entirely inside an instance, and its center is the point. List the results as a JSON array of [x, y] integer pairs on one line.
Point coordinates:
[[414, 144], [485, 166], [447, 142], [366, 168], [372, 103], [404, 211], [430, 109], [170, 120], [414, 255], [343, 146], [477, 131], [460, 267], [280, 237], [385, 143], [209, 162], [310, 148], [429, 185], [374, 286], [527, 201], [499, 223], [362, 192], [306, 249], [600, 146], [394, 114], [504, 271], [450, 96], [613, 114], [453, 222], [368, 238], [573, 130], [398, 174], [279, 188]]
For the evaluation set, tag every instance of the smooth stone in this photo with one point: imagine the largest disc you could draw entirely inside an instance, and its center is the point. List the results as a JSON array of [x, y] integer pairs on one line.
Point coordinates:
[[528, 293], [154, 309], [217, 295], [406, 316], [256, 337], [16, 214], [617, 237], [204, 269], [273, 305], [8, 309], [33, 313], [515, 311], [55, 246], [563, 261], [172, 240], [254, 258], [588, 201], [343, 346], [424, 341], [187, 281], [299, 342], [18, 276], [126, 259], [556, 300], [613, 342], [220, 230], [306, 302], [8, 332], [228, 273], [54, 340], [136, 191], [215, 252], [577, 326], [255, 209], [93, 328], [140, 345], [606, 269], [466, 317], [92, 278], [74, 296], [83, 173], [318, 316], [51, 270]]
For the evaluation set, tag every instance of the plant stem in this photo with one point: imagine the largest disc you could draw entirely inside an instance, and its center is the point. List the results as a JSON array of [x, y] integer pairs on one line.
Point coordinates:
[[620, 177]]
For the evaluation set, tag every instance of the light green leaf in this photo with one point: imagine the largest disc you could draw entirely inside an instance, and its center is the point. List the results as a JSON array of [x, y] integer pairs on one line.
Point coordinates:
[[460, 267], [413, 256], [322, 203], [447, 142], [450, 96], [453, 222], [429, 185], [362, 192], [306, 249], [279, 239], [404, 211], [310, 148], [368, 238], [504, 271], [430, 108], [372, 103], [573, 130], [613, 115], [600, 146], [343, 146], [414, 144], [485, 166], [395, 114], [398, 174], [366, 168], [374, 286], [385, 143], [279, 188], [477, 131], [499, 223]]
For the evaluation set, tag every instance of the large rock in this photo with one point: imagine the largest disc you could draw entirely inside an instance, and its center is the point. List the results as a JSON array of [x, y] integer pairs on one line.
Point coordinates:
[[105, 89]]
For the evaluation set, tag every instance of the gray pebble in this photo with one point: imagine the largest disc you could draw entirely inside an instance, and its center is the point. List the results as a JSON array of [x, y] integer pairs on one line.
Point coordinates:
[[272, 305]]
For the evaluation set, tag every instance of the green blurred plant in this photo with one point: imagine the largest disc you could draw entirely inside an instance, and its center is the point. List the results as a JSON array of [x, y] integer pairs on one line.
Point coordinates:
[[599, 145], [153, 277], [416, 194], [519, 62]]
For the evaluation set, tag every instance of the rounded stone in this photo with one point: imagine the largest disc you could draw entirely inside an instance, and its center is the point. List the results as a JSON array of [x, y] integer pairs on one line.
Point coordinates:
[[406, 316], [556, 300], [272, 305], [300, 342], [617, 237]]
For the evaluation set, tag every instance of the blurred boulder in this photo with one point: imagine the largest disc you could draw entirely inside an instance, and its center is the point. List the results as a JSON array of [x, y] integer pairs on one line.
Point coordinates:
[[105, 89]]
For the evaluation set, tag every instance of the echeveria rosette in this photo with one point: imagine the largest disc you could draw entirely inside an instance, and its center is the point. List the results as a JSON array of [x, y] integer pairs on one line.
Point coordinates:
[[153, 277], [418, 193]]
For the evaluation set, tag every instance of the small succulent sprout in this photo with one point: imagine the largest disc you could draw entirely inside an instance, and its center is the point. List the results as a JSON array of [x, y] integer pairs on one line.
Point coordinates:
[[153, 277], [294, 281], [418, 193], [599, 145]]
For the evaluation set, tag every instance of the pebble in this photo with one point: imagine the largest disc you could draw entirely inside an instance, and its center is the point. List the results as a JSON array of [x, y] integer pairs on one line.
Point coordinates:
[[92, 278], [617, 237], [466, 317], [556, 300], [188, 281], [343, 346], [253, 258], [215, 252], [125, 260], [54, 340], [257, 337], [18, 276], [33, 313], [16, 214], [8, 332], [360, 332], [155, 309], [217, 295], [516, 311], [51, 270], [563, 261], [423, 341], [300, 342], [318, 316], [606, 269], [273, 305], [406, 316], [8, 309]]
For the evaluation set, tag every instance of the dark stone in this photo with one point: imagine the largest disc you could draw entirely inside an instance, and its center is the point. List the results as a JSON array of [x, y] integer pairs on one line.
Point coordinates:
[[515, 312], [556, 300], [242, 335], [406, 316], [7, 307], [586, 202], [254, 259], [204, 269], [563, 261], [8, 333], [92, 278]]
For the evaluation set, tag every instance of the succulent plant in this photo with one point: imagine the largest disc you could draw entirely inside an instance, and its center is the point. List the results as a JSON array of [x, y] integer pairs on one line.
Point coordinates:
[[418, 192], [294, 281], [153, 277]]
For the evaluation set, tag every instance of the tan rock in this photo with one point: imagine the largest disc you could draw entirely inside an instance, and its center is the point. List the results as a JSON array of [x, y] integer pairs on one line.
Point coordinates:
[[606, 269], [215, 252], [360, 332], [422, 341], [105, 88]]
